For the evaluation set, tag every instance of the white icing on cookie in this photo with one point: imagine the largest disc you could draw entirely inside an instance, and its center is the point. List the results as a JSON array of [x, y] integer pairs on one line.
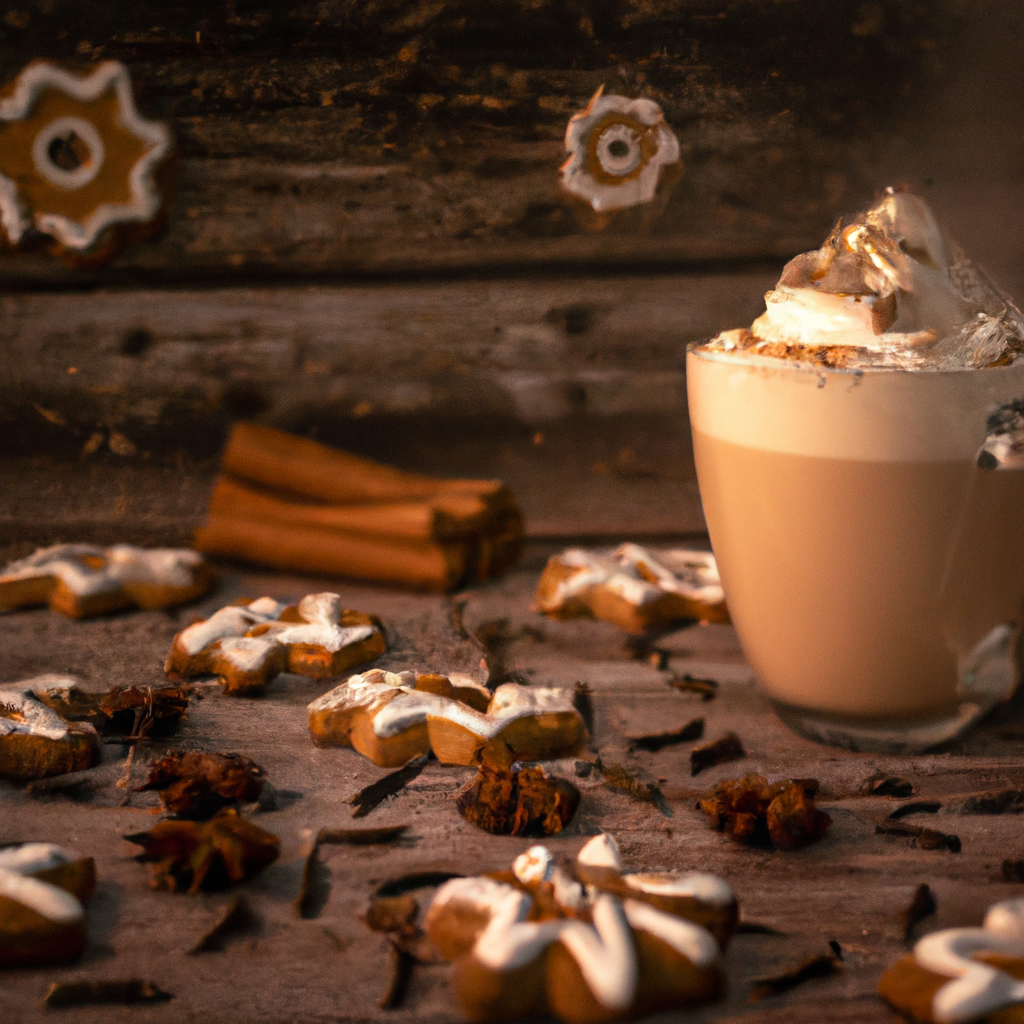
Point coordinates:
[[247, 653], [536, 865], [19, 863], [330, 637], [87, 570], [372, 689], [698, 884], [601, 852], [23, 714], [696, 943], [234, 620]]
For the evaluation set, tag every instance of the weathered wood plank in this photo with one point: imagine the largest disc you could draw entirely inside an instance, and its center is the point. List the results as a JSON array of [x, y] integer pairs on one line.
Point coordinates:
[[169, 369], [338, 137]]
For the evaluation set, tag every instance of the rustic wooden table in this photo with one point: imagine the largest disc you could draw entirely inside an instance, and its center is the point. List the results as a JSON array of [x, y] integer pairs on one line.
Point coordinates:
[[850, 888]]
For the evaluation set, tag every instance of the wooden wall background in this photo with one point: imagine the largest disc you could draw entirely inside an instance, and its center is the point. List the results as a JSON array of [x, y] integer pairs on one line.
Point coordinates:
[[368, 240]]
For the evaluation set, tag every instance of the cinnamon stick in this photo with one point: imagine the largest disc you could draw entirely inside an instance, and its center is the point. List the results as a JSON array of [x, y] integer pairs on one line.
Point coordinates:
[[288, 463], [442, 517], [329, 552]]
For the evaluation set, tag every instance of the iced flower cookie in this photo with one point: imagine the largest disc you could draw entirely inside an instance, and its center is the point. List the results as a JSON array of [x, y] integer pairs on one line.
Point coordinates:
[[392, 717], [82, 580], [36, 742], [632, 587], [246, 645], [77, 162], [963, 974], [42, 889], [585, 944]]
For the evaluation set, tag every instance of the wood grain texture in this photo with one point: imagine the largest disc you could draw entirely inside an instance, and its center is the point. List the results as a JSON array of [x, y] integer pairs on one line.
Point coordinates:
[[338, 137], [169, 370]]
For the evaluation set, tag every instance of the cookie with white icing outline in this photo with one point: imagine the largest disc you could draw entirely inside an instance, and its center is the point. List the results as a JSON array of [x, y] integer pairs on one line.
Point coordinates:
[[78, 165], [632, 587], [42, 889], [36, 742], [83, 580], [248, 644], [537, 941], [391, 717], [964, 974]]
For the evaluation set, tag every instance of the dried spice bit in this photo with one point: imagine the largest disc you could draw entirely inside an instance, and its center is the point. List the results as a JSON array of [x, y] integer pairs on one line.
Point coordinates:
[[583, 702], [924, 838], [213, 854], [237, 919], [507, 800], [655, 741], [836, 948], [752, 812], [138, 711], [1012, 870], [377, 792], [728, 748], [616, 777], [821, 966], [706, 688], [403, 963], [89, 993], [887, 785], [917, 807], [315, 889], [195, 784], [361, 836], [922, 905], [1001, 801]]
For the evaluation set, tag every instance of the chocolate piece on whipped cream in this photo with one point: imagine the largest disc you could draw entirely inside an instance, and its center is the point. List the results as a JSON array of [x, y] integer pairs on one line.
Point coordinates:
[[635, 588]]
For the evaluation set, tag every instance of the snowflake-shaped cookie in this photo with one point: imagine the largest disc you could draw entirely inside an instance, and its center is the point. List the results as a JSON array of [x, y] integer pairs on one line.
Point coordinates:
[[618, 147], [77, 162]]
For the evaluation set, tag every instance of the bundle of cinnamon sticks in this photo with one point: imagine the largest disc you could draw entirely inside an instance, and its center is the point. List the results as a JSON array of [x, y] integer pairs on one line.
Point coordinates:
[[292, 503]]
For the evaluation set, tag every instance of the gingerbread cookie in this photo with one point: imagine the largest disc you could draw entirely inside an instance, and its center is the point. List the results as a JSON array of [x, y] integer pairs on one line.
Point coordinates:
[[42, 889], [618, 147], [536, 941], [964, 974], [81, 580], [632, 587], [77, 163], [248, 644], [36, 742], [392, 717]]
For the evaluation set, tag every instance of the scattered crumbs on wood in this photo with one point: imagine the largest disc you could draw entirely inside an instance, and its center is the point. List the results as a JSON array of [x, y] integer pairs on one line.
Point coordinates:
[[821, 966], [655, 741], [756, 928], [916, 807], [1012, 870], [921, 905], [721, 751], [361, 836], [887, 785], [707, 689], [836, 948], [86, 993], [583, 702], [924, 838], [71, 783], [616, 777], [377, 792], [582, 769], [237, 919], [1000, 801], [422, 879]]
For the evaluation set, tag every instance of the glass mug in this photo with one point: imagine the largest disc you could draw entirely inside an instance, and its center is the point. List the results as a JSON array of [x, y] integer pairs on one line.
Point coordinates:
[[873, 564]]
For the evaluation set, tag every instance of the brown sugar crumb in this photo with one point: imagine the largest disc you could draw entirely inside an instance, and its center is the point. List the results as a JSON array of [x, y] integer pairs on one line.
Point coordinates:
[[782, 815]]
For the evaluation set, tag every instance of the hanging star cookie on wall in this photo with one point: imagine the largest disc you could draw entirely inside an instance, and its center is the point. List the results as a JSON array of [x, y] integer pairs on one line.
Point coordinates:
[[77, 162]]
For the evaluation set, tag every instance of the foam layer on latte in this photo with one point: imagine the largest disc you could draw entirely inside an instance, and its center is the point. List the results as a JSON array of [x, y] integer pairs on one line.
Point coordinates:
[[886, 289]]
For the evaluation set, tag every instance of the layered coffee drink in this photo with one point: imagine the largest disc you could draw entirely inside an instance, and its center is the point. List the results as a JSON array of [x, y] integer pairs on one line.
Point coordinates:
[[860, 455]]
